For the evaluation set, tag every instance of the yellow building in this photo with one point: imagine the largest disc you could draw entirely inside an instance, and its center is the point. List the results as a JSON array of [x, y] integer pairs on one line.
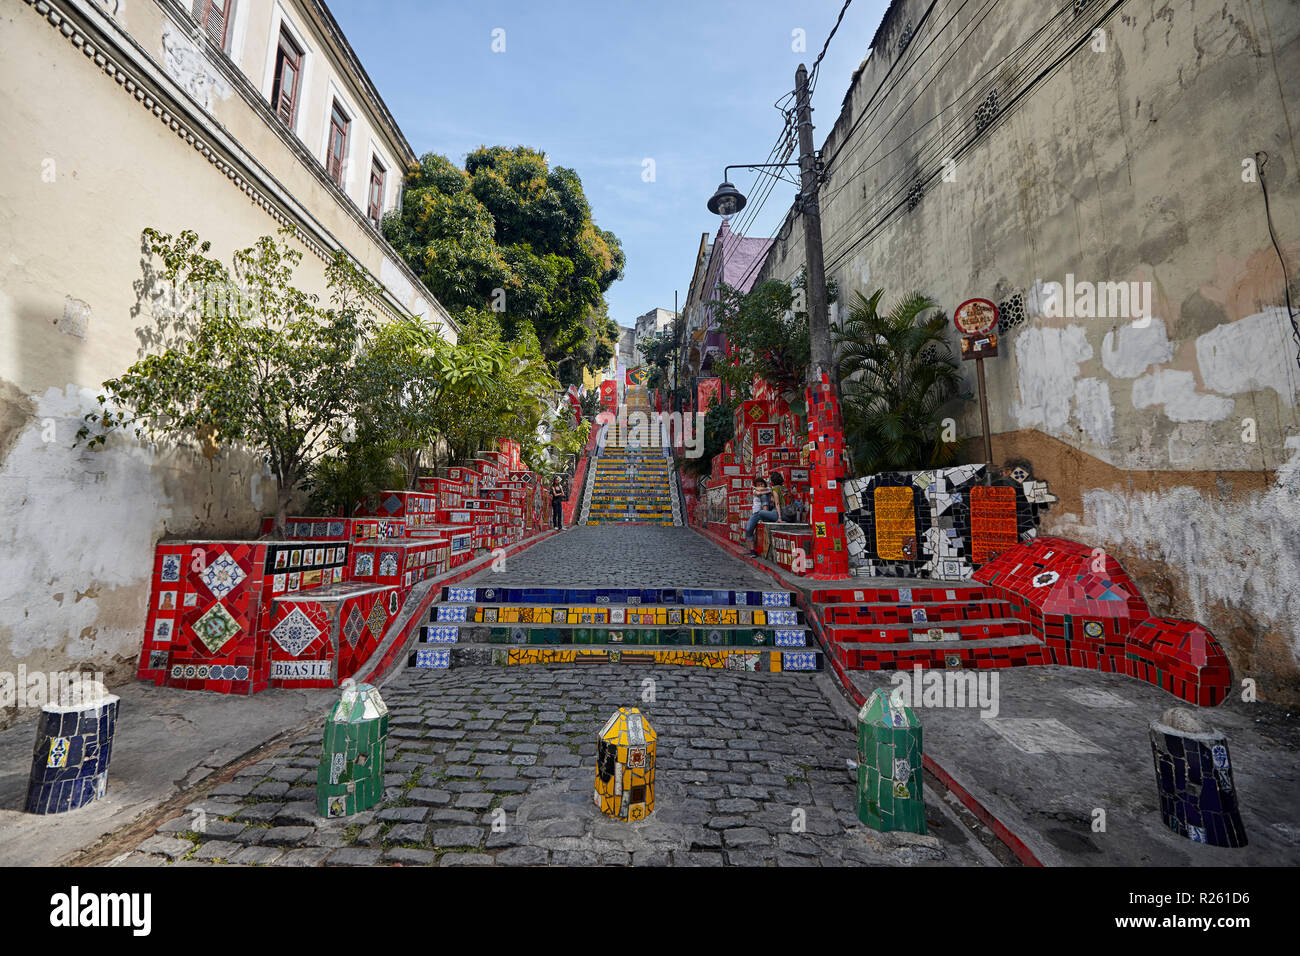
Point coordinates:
[[232, 118]]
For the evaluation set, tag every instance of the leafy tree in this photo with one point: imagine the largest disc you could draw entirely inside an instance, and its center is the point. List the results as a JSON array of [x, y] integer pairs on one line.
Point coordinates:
[[510, 233], [719, 428], [358, 470], [255, 361], [896, 373], [658, 351], [767, 337]]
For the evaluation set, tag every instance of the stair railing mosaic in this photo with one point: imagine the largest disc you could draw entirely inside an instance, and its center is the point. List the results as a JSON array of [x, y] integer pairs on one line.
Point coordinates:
[[238, 617]]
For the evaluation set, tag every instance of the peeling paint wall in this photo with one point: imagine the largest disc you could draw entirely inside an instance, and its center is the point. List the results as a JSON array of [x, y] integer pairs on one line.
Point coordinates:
[[1128, 164], [87, 165]]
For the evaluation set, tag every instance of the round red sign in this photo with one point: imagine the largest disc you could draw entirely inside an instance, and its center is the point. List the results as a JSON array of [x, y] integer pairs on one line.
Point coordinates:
[[975, 317]]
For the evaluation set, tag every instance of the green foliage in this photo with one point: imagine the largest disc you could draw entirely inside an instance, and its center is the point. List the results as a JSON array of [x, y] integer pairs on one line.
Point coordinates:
[[510, 222], [658, 352], [896, 373], [359, 470], [719, 428], [255, 362], [767, 331]]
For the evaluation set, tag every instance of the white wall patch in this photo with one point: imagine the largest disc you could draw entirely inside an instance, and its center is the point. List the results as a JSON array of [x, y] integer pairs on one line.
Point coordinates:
[[1047, 362], [1131, 350], [1176, 391], [1092, 408], [1244, 356]]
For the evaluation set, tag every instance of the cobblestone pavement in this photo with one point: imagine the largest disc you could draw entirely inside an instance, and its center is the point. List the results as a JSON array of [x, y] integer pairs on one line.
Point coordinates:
[[613, 556], [488, 766]]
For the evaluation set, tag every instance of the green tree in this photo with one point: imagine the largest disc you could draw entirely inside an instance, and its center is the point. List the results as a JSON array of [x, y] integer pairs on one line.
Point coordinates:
[[896, 373], [719, 428], [255, 362], [509, 232], [657, 352], [767, 335]]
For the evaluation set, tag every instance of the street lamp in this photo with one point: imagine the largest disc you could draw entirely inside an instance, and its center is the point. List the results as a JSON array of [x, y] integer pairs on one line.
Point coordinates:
[[727, 201]]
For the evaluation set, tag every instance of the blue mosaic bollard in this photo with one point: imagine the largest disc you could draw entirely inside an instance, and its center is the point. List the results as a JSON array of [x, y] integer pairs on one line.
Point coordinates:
[[1194, 778], [74, 741]]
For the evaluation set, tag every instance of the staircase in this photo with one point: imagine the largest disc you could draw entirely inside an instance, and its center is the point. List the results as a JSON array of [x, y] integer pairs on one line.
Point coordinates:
[[631, 481], [720, 629], [933, 624]]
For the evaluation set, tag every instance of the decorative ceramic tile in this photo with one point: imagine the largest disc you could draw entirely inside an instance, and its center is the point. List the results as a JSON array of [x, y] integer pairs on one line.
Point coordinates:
[[353, 626], [171, 568], [216, 627], [223, 575], [295, 633]]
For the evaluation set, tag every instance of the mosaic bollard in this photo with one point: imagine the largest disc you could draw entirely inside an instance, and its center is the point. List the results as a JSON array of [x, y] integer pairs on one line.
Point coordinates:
[[351, 773], [74, 741], [625, 766], [889, 766], [1194, 777]]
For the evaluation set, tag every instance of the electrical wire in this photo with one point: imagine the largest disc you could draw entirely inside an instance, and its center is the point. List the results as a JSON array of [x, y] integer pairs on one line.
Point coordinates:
[[1261, 160], [893, 193], [812, 75]]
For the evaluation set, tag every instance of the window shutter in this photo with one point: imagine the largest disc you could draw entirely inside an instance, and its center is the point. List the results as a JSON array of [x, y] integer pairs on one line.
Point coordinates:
[[214, 17]]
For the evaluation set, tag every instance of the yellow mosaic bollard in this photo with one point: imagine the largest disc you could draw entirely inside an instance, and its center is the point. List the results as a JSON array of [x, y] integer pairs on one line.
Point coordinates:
[[625, 766]]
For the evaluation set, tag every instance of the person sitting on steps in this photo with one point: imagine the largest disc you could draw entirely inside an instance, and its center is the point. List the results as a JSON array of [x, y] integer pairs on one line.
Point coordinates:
[[764, 510]]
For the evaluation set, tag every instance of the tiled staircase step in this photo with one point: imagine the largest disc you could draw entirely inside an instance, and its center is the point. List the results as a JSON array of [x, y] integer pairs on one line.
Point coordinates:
[[953, 632], [923, 592], [542, 635], [767, 660], [719, 597], [631, 615], [1010, 651], [919, 615]]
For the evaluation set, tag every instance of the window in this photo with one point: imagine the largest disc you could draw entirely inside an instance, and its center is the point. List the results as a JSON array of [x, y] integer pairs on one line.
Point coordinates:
[[288, 73], [214, 17], [375, 200], [338, 144]]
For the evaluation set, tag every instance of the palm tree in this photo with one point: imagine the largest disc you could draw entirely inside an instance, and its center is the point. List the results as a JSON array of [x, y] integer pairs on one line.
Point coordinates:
[[896, 374]]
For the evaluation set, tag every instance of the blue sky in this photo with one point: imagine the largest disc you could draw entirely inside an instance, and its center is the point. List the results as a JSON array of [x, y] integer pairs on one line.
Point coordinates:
[[601, 87]]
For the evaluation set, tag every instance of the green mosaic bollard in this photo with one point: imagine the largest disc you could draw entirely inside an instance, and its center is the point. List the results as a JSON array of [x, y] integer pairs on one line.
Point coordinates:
[[351, 773], [889, 766]]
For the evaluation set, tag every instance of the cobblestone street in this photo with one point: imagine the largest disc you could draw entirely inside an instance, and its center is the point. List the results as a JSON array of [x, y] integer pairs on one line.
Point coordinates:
[[614, 556], [491, 766]]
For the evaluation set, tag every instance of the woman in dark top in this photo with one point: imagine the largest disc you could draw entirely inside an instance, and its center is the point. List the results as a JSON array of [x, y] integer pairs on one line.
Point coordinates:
[[557, 502]]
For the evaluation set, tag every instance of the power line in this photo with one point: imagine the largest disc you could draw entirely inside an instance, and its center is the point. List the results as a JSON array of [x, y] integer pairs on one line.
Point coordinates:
[[812, 75]]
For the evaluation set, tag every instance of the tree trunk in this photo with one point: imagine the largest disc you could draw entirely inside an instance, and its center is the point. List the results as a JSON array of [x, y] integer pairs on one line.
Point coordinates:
[[283, 494]]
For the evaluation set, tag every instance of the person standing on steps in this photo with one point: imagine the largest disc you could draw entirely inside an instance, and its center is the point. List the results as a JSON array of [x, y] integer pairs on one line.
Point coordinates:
[[764, 510], [557, 502]]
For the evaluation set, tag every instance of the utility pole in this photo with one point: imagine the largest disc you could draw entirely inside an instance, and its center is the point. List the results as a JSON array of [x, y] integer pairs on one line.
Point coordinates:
[[818, 324]]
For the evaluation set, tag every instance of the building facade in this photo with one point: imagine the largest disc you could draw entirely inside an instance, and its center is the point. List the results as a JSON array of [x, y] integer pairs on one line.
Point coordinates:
[[231, 118], [731, 259], [1101, 171]]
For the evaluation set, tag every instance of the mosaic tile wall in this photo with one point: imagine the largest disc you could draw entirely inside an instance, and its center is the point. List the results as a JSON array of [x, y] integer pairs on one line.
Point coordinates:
[[1089, 613], [941, 523]]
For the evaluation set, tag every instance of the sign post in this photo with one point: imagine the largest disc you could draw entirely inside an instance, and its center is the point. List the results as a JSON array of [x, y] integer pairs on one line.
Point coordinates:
[[976, 320]]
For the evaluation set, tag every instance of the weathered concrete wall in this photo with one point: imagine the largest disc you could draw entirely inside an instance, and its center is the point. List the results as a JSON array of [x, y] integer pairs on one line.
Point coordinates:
[[1127, 161], [86, 166]]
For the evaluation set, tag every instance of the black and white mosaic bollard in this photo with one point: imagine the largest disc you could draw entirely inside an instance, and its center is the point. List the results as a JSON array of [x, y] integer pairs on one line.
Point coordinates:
[[74, 741], [1194, 777]]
